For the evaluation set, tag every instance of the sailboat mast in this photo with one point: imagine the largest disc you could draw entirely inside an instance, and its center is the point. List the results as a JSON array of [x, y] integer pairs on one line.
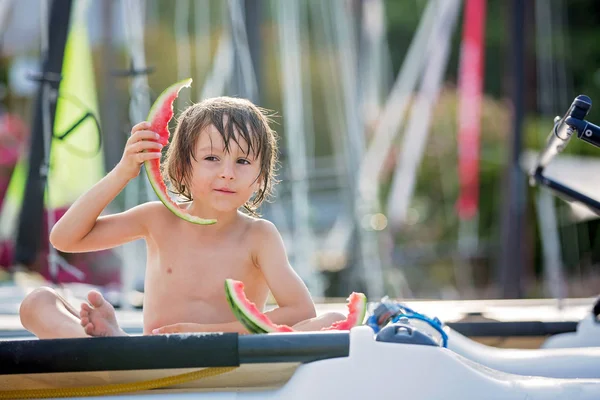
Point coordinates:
[[511, 259], [30, 225]]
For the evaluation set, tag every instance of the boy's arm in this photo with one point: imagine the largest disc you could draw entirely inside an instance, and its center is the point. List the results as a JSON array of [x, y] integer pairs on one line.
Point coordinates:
[[293, 298], [82, 228]]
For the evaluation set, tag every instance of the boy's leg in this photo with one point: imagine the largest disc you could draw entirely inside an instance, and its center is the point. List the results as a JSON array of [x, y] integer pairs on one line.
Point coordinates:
[[48, 315], [317, 323]]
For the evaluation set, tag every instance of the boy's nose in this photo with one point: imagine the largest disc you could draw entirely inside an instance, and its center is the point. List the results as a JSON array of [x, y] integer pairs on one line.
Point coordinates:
[[227, 172]]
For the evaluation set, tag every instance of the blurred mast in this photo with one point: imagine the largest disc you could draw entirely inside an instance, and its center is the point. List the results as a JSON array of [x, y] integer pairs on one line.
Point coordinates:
[[392, 115], [416, 132], [412, 147], [133, 253], [223, 62], [511, 255], [6, 9], [245, 76], [203, 41], [52, 52], [113, 139], [254, 10], [290, 50], [550, 92], [183, 50], [360, 186]]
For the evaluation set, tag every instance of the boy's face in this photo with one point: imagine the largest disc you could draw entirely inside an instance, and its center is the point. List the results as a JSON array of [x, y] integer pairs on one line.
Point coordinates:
[[224, 180]]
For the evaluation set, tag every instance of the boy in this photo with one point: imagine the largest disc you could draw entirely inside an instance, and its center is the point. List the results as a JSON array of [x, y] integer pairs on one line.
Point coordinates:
[[222, 158]]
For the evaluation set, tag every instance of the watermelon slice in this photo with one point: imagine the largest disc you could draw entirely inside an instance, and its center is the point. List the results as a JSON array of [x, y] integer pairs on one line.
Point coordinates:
[[256, 322], [159, 116], [247, 313]]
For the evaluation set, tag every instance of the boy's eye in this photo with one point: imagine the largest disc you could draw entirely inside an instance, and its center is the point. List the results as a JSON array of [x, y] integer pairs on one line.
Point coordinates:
[[243, 161], [210, 158]]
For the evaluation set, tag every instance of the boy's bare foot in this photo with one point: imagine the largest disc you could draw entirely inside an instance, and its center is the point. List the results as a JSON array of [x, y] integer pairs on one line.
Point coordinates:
[[100, 318]]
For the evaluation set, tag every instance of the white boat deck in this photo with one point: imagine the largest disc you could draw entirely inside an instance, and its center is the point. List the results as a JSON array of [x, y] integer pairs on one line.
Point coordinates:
[[543, 310]]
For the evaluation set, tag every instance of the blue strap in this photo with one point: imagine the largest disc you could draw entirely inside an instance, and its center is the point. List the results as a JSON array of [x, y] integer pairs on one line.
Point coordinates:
[[372, 322], [433, 322], [407, 312]]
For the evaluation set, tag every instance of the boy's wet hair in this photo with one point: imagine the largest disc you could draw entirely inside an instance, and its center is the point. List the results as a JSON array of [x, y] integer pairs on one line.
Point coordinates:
[[234, 119]]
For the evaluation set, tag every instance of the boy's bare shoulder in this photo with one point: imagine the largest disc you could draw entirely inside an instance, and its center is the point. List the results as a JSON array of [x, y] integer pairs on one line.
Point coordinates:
[[153, 207], [261, 229], [153, 211]]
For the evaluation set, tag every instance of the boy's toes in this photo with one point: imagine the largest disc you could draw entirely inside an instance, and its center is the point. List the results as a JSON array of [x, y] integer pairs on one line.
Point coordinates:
[[84, 321], [95, 298], [85, 307], [84, 312], [89, 329]]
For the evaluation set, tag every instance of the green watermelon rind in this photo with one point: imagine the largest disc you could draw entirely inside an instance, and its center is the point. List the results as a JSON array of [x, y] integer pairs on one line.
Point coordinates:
[[164, 197], [237, 307], [240, 316], [255, 326], [363, 313]]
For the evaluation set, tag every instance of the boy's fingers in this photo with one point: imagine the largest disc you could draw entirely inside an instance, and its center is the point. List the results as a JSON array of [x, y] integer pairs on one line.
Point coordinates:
[[144, 145], [140, 125], [160, 331], [176, 328], [141, 157], [143, 135]]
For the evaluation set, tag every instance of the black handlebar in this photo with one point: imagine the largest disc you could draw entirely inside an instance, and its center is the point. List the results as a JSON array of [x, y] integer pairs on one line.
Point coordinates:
[[572, 122]]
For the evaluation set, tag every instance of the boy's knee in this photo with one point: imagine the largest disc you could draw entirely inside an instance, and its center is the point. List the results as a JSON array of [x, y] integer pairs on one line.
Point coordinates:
[[31, 303]]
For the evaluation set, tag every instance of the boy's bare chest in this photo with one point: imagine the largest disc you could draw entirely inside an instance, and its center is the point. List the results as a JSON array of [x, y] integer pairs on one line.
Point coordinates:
[[190, 256], [202, 266]]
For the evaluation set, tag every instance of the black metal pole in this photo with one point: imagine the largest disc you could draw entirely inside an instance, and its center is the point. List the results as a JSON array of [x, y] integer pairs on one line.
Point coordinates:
[[511, 256], [31, 216]]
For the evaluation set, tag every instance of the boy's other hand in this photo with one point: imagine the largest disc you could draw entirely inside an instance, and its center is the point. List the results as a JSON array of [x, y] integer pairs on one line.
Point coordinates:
[[179, 328], [141, 146], [189, 327]]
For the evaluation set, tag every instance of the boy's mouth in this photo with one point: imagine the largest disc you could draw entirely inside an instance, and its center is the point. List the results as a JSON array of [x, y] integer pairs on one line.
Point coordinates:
[[224, 190]]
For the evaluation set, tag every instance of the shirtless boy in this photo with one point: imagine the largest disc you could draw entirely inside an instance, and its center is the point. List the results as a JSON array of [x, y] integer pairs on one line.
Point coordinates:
[[221, 160]]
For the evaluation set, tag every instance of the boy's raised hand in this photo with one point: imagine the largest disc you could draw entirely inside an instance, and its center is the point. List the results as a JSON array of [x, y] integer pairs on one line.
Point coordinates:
[[141, 146]]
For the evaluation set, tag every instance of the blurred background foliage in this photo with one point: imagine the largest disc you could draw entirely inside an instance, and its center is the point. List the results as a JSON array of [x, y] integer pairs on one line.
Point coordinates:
[[429, 240]]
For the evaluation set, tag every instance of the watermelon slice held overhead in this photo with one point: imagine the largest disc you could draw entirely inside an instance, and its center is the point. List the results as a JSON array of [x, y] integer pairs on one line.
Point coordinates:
[[159, 116], [256, 322]]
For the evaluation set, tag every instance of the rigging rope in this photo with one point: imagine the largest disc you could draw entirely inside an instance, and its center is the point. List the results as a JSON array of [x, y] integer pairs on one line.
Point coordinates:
[[116, 388]]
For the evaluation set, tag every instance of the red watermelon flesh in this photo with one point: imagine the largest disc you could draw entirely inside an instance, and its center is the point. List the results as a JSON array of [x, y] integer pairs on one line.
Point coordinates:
[[357, 309], [159, 117]]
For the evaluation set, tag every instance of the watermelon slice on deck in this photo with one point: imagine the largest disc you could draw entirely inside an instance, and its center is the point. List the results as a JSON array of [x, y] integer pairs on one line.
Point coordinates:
[[256, 322], [160, 114]]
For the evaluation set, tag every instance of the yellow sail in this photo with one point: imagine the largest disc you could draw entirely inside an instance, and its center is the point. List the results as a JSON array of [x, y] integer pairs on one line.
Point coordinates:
[[75, 165]]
